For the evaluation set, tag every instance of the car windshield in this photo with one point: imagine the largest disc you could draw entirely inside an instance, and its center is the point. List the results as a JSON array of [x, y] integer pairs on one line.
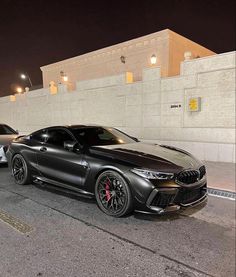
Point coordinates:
[[92, 136], [6, 130]]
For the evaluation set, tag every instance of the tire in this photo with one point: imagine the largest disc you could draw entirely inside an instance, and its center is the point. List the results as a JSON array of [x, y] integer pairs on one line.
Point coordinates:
[[113, 194], [20, 170]]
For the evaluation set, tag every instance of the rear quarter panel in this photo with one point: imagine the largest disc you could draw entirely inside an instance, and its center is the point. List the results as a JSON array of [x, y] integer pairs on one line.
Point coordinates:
[[26, 148]]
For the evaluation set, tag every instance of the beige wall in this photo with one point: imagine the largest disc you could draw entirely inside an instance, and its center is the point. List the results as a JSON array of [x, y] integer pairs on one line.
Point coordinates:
[[166, 45], [143, 108], [178, 45]]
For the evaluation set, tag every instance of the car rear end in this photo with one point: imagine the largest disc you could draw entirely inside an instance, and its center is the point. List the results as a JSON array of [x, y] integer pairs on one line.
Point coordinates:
[[7, 135], [3, 150], [4, 145]]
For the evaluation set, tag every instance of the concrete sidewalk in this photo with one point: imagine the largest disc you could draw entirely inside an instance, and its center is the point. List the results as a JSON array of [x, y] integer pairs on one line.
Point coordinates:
[[221, 175]]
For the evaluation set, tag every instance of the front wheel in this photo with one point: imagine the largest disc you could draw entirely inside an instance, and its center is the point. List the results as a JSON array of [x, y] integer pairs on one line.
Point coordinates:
[[20, 170], [113, 194]]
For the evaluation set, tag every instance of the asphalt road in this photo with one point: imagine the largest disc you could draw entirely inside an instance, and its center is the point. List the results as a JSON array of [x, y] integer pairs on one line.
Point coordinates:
[[69, 236]]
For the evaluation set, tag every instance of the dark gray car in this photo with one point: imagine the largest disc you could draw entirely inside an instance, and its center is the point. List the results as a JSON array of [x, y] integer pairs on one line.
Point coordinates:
[[7, 134], [122, 173]]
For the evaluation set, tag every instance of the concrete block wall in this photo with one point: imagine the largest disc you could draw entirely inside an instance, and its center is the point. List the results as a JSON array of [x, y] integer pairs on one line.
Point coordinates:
[[210, 133], [154, 109]]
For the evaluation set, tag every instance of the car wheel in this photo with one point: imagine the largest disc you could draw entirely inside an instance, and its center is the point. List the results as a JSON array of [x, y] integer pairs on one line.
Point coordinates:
[[113, 194], [20, 170]]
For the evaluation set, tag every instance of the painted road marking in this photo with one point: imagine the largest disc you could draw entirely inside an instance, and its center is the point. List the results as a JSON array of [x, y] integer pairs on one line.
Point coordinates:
[[15, 223]]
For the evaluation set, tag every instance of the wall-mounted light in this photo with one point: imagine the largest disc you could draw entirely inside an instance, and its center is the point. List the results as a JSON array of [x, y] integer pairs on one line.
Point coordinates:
[[122, 59], [64, 76], [53, 87], [187, 55], [153, 59]]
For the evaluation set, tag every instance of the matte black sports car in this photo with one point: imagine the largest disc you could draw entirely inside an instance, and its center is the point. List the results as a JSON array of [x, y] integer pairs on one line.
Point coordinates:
[[122, 173]]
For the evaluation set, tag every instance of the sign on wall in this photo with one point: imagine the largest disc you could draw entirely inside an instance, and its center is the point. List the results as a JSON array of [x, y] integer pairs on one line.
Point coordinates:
[[194, 104], [175, 106]]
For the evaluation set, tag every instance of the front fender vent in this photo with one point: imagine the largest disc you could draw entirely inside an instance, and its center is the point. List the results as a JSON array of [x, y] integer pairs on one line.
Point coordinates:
[[163, 199]]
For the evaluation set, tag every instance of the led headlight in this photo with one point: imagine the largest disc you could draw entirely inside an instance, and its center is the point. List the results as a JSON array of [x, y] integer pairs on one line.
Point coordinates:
[[149, 174]]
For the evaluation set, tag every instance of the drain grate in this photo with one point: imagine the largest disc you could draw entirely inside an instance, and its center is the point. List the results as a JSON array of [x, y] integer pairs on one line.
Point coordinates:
[[222, 193], [15, 223]]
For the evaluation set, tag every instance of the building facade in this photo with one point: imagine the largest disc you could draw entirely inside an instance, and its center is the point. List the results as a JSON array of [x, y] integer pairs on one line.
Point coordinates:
[[168, 48]]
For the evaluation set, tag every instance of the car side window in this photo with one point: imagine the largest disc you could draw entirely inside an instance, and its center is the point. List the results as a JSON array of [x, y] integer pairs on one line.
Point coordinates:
[[39, 136], [106, 136], [57, 137], [6, 130]]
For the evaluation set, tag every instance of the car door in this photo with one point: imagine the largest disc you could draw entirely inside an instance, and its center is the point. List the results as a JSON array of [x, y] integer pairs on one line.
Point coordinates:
[[59, 164]]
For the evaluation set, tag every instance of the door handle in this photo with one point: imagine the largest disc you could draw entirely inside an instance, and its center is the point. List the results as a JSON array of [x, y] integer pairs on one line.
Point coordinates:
[[43, 149]]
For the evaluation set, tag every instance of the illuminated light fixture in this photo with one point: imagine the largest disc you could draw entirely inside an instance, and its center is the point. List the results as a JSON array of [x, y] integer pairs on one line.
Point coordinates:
[[19, 90], [64, 76], [188, 55], [153, 59], [26, 76], [53, 87], [129, 78]]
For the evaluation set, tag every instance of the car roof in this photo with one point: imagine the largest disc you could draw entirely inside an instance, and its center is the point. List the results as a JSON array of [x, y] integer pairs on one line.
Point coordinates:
[[82, 126], [77, 126], [70, 127]]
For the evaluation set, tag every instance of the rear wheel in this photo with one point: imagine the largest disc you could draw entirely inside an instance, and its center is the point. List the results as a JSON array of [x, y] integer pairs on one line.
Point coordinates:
[[20, 170], [113, 194]]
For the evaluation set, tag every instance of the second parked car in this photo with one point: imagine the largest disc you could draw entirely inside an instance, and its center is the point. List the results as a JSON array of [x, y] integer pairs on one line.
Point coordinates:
[[7, 134]]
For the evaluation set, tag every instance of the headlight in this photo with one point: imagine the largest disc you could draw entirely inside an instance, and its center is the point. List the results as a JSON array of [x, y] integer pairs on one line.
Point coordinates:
[[149, 174]]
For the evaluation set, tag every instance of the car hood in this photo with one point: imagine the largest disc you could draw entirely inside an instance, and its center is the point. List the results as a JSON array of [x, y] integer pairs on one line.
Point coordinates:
[[6, 139], [153, 156]]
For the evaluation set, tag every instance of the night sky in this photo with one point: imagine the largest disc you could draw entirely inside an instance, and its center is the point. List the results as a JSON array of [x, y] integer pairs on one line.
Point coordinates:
[[35, 33]]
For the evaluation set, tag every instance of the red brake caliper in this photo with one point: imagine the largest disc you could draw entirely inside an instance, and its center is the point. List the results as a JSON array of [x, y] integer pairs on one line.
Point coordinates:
[[108, 194]]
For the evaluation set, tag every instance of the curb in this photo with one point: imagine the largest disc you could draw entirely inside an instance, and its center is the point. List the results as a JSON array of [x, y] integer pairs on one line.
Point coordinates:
[[222, 193]]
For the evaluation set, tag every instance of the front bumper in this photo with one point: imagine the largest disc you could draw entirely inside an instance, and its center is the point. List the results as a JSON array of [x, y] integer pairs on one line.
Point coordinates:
[[165, 200]]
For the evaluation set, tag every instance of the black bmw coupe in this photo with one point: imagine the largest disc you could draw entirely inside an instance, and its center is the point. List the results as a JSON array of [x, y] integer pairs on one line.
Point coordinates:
[[122, 173]]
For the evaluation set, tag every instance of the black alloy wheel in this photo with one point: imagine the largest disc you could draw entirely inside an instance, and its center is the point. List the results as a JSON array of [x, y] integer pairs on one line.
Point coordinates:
[[113, 194], [20, 170]]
